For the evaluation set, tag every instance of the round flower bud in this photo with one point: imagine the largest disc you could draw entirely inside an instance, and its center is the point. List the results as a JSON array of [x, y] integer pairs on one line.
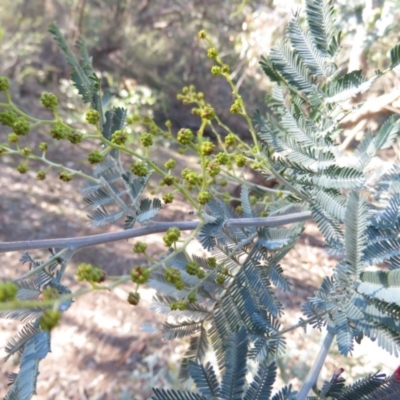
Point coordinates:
[[75, 137], [207, 113], [185, 136], [216, 70], [13, 138], [139, 247], [168, 124], [192, 298], [220, 279], [139, 168], [140, 274], [49, 319], [172, 275], [43, 146], [146, 139], [170, 164], [92, 117], [225, 69], [211, 262], [50, 293], [8, 118], [134, 298], [168, 198], [59, 131], [4, 84], [65, 176], [180, 285], [235, 107], [201, 274], [240, 160], [22, 168], [49, 100], [171, 236], [86, 272], [207, 148], [119, 137], [41, 175], [192, 267], [231, 139], [26, 151], [168, 180], [8, 291], [204, 197], [222, 158], [212, 53], [202, 34], [21, 127], [213, 169], [95, 157]]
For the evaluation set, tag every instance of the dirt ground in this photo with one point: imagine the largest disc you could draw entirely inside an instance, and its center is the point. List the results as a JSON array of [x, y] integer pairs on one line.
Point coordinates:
[[106, 349]]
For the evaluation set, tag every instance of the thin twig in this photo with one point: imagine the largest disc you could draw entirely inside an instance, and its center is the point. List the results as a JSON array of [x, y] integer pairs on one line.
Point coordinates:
[[77, 243], [315, 370]]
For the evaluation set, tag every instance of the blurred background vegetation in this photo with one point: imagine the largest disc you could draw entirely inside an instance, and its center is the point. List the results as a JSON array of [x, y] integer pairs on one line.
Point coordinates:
[[147, 50]]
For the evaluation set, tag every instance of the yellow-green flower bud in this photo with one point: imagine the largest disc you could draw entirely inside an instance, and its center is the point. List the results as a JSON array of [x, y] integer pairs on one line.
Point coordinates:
[[92, 117], [202, 34], [216, 70], [50, 293], [201, 274], [192, 267], [204, 197], [21, 127], [207, 148], [95, 157], [212, 53], [4, 84], [41, 175], [168, 180], [220, 279], [211, 262], [119, 137], [171, 236], [172, 275], [231, 139], [8, 291], [240, 160], [8, 118], [13, 138], [59, 131], [168, 198], [146, 139], [139, 247], [225, 69], [139, 168], [26, 151], [65, 176], [170, 164], [192, 298], [213, 169], [43, 146], [134, 298], [140, 274], [49, 100], [49, 320], [185, 136], [22, 168]]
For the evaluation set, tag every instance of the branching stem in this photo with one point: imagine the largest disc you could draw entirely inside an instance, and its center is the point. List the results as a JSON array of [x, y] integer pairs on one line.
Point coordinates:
[[315, 370], [78, 243]]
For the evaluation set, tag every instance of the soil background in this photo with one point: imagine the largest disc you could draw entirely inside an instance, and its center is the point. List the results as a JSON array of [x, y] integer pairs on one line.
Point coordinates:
[[106, 349]]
